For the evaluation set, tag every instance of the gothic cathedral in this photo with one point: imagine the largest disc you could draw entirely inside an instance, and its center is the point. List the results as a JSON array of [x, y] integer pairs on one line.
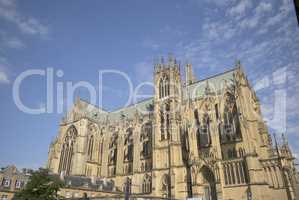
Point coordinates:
[[193, 138]]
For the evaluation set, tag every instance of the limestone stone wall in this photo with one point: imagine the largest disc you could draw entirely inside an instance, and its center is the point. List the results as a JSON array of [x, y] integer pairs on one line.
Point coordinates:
[[209, 142]]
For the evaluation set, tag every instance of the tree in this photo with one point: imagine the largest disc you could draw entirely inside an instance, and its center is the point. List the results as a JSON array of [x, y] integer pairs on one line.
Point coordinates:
[[41, 186]]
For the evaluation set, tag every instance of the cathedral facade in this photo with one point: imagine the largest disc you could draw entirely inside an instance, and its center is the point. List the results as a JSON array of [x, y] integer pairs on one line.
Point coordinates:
[[204, 139]]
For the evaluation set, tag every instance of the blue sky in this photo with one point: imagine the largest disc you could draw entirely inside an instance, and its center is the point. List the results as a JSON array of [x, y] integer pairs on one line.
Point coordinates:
[[81, 37]]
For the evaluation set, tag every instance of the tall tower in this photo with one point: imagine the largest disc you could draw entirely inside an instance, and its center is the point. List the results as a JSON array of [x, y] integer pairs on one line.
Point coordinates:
[[167, 153]]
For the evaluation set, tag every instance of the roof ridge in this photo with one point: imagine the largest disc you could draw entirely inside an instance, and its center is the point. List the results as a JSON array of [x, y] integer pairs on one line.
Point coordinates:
[[85, 101], [132, 104], [117, 109], [213, 76]]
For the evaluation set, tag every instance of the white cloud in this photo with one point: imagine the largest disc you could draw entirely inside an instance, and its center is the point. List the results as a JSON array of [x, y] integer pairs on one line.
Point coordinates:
[[258, 15], [284, 10], [240, 9], [263, 7], [3, 78], [219, 31], [240, 37], [275, 19], [28, 25], [250, 22], [33, 26], [14, 43]]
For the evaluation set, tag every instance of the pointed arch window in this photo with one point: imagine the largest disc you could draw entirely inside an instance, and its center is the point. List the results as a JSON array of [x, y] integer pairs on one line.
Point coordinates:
[[162, 126], [231, 130], [147, 184], [236, 122], [100, 151], [67, 151], [146, 147], [128, 151], [90, 147], [165, 121], [203, 132], [167, 108], [112, 156], [113, 150], [146, 140], [164, 87], [161, 91]]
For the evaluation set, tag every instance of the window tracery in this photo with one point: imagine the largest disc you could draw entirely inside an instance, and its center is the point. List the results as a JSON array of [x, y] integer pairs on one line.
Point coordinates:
[[128, 151], [203, 132], [165, 121], [164, 87], [90, 147], [67, 151], [112, 155], [231, 130], [145, 139], [147, 184]]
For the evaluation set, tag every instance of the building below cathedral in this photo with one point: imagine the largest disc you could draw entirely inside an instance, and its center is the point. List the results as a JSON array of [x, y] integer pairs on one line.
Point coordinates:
[[204, 139], [12, 180]]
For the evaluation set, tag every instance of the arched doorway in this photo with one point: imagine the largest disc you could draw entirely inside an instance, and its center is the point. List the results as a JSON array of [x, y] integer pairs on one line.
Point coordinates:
[[209, 181]]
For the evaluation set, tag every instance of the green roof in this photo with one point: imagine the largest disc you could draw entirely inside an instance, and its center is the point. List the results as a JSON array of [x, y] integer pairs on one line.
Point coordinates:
[[196, 90], [215, 83], [130, 111]]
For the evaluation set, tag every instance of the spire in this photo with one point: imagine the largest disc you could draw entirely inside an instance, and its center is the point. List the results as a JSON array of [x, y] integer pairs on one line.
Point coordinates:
[[136, 115], [238, 64], [240, 75], [170, 58], [239, 69], [276, 145], [207, 89], [170, 62], [189, 74], [157, 64]]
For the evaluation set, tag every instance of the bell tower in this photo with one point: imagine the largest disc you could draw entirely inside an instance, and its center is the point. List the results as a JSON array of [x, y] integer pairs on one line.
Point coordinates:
[[167, 149], [167, 96]]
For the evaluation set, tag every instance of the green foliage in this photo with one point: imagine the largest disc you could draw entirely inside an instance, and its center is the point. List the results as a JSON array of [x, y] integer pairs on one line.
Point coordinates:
[[41, 186]]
